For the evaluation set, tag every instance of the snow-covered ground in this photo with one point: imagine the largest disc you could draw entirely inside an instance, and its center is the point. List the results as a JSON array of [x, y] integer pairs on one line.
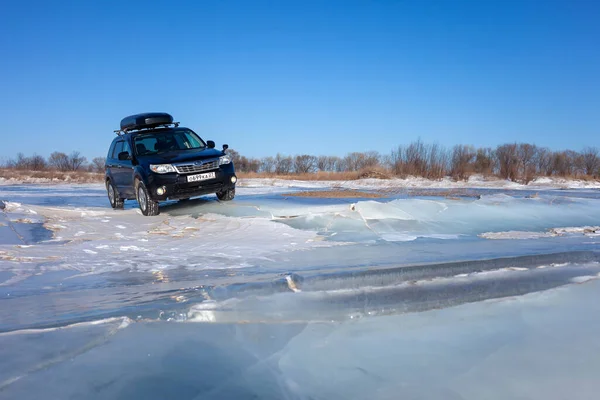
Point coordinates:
[[475, 181], [419, 294]]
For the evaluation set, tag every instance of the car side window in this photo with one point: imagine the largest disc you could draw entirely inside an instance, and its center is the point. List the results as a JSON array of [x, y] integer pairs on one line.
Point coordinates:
[[111, 151], [118, 148], [126, 147]]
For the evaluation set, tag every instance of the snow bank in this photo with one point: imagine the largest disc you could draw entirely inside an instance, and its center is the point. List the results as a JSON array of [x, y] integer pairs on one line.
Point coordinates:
[[589, 231], [475, 181]]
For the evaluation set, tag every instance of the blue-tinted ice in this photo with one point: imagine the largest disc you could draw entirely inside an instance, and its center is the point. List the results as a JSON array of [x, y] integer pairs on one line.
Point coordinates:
[[482, 294]]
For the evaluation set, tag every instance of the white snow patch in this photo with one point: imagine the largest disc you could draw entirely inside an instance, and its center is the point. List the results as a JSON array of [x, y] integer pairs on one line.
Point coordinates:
[[585, 230], [475, 181], [132, 248], [590, 231], [516, 235], [583, 278]]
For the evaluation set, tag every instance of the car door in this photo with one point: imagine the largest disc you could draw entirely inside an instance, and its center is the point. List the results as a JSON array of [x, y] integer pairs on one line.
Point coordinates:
[[123, 169], [126, 171], [112, 164]]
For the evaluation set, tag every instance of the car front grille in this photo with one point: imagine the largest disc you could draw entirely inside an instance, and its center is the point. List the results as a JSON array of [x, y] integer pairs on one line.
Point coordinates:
[[193, 168]]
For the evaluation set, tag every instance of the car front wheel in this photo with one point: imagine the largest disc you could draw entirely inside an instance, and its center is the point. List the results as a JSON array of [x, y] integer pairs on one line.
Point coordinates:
[[226, 195], [148, 206]]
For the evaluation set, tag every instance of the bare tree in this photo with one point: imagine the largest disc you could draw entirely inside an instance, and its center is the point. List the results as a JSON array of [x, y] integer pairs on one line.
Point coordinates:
[[334, 162], [253, 165], [97, 164], [283, 164], [352, 161], [419, 159], [37, 163], [267, 165], [76, 160], [484, 161], [370, 159], [526, 153], [323, 163], [305, 163], [59, 161], [395, 161], [527, 161], [21, 162], [508, 161], [577, 163], [242, 164], [591, 161], [543, 161], [437, 163], [462, 159], [415, 158], [561, 163], [341, 165]]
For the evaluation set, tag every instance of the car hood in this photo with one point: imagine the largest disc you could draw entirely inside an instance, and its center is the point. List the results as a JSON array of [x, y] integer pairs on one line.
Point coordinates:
[[181, 156]]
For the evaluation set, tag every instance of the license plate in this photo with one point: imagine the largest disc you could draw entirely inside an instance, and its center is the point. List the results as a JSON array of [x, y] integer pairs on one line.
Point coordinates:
[[201, 177]]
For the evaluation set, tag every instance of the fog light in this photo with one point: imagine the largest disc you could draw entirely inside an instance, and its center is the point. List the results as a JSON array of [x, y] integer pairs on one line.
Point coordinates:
[[161, 190], [233, 179]]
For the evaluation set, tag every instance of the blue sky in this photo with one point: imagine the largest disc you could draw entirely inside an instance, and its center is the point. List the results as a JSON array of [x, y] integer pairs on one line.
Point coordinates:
[[320, 77]]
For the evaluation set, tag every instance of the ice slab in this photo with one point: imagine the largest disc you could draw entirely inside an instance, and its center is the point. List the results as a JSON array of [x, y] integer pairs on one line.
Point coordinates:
[[261, 230], [538, 347], [100, 240]]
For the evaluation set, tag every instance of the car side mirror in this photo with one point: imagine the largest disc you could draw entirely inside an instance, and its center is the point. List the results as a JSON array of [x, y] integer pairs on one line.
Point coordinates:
[[124, 155], [210, 144], [225, 147]]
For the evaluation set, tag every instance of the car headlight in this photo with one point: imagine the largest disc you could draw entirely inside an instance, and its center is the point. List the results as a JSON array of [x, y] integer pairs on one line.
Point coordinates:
[[224, 160], [162, 168]]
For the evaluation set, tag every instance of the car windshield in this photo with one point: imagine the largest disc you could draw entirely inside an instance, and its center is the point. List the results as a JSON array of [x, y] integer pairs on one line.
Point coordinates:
[[164, 142]]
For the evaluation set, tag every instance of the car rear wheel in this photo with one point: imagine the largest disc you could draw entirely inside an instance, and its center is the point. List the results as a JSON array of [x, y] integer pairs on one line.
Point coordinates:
[[148, 206], [113, 196], [226, 195]]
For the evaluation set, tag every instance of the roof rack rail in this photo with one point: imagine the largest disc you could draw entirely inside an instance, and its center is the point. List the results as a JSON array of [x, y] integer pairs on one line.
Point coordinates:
[[121, 132]]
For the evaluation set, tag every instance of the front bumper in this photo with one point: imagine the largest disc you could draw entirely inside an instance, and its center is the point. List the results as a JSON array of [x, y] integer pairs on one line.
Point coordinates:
[[177, 187]]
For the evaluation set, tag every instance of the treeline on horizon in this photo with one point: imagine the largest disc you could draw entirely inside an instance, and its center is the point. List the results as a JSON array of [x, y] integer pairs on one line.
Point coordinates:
[[513, 161], [57, 161]]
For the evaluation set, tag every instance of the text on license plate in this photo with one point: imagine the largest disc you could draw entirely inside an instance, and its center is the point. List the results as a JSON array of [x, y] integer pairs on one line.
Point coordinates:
[[201, 177]]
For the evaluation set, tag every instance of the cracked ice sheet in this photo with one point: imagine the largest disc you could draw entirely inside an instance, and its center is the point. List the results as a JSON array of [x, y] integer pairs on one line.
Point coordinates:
[[95, 240], [242, 233], [408, 219], [541, 346]]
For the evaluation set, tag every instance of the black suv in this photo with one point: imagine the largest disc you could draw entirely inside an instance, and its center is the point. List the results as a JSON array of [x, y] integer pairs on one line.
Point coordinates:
[[152, 159]]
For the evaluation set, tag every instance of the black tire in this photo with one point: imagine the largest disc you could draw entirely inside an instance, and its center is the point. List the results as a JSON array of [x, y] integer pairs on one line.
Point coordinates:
[[226, 195], [113, 196], [148, 207]]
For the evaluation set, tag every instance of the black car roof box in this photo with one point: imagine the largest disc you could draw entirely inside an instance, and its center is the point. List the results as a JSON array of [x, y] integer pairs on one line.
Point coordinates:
[[145, 120]]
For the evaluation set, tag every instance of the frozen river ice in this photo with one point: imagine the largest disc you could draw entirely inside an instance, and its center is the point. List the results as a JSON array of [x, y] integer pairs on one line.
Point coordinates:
[[422, 294]]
